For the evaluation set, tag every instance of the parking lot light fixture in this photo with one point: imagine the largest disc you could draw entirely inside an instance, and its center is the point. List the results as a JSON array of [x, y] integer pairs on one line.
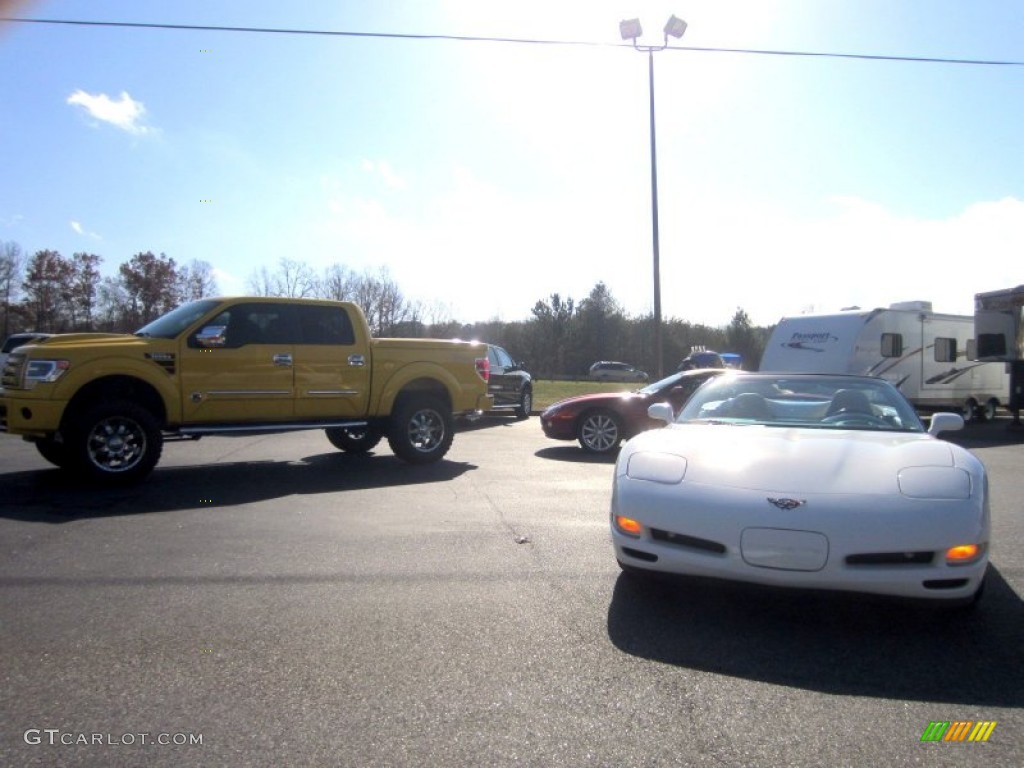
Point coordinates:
[[630, 29], [674, 27]]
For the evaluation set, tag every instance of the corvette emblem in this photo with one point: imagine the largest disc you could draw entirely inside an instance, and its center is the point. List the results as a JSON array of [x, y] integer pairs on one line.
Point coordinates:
[[786, 503]]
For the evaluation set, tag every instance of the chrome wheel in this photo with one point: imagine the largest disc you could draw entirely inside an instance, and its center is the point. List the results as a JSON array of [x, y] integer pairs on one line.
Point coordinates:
[[116, 444], [525, 405], [116, 441], [599, 432], [422, 429], [426, 430]]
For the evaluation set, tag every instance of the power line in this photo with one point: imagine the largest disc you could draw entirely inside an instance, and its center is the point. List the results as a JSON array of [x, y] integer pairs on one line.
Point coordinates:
[[516, 41]]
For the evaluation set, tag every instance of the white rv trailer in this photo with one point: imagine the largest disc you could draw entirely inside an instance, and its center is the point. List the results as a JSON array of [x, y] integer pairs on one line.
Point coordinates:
[[999, 324], [926, 354], [999, 320]]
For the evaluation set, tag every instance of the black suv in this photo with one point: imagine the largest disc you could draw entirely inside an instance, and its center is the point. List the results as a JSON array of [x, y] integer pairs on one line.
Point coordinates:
[[510, 384]]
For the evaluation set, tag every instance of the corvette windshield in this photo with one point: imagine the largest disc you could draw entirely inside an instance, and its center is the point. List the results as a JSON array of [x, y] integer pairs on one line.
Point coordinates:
[[810, 401]]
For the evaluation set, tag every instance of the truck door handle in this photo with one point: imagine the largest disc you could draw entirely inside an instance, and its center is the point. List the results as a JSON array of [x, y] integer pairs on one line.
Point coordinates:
[[283, 359], [356, 361]]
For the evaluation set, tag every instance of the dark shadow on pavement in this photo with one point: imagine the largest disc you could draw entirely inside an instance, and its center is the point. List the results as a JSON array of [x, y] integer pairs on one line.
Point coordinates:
[[837, 643], [486, 422], [987, 434], [51, 496], [572, 452]]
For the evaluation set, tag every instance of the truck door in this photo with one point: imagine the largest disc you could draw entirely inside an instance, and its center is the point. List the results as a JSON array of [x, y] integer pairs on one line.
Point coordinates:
[[502, 383], [239, 367], [332, 365]]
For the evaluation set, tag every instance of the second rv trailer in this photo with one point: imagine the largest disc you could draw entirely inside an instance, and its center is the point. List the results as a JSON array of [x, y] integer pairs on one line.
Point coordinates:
[[926, 354]]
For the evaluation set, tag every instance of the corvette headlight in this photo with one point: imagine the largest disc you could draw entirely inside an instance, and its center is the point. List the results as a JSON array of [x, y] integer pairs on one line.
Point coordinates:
[[943, 483], [665, 468], [44, 371]]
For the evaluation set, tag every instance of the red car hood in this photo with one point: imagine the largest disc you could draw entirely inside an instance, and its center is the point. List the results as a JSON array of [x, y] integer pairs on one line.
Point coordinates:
[[594, 397]]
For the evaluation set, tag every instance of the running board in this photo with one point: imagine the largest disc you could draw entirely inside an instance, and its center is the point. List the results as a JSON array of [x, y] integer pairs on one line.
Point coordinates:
[[268, 428]]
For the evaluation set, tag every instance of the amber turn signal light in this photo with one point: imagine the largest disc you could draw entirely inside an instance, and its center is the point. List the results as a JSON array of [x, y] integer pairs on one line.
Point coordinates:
[[962, 554], [628, 525]]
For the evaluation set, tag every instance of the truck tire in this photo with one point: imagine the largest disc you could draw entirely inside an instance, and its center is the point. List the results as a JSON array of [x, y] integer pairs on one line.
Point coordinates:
[[54, 452], [354, 439], [990, 410], [114, 442], [421, 429], [525, 404], [969, 410]]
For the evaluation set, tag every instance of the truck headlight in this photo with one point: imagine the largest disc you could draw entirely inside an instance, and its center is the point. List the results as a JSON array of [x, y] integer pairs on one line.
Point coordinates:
[[44, 371]]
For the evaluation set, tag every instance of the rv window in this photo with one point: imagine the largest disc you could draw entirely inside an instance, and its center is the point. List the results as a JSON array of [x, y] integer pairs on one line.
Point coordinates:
[[892, 344], [945, 350], [991, 345]]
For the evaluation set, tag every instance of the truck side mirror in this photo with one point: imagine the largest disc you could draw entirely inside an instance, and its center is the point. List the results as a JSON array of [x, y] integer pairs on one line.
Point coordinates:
[[211, 336]]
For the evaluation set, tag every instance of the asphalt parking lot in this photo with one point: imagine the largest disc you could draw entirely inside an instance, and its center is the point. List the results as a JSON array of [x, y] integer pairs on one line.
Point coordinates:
[[288, 604]]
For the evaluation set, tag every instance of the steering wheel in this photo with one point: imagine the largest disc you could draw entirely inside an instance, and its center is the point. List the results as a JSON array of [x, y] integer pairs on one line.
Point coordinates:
[[856, 417]]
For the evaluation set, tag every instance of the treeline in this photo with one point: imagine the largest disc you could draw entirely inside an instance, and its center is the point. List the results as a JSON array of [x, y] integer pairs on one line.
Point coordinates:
[[57, 294], [562, 337]]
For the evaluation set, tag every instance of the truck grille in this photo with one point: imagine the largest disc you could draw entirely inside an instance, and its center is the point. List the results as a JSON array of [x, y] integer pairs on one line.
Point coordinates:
[[12, 371]]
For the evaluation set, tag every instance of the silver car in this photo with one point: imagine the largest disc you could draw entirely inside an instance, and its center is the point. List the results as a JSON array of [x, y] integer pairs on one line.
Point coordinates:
[[606, 370]]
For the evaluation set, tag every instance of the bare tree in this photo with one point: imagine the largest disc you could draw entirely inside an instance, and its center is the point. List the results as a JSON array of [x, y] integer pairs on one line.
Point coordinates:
[[294, 279], [85, 283], [261, 283], [12, 260], [338, 283], [196, 281], [111, 303], [382, 301]]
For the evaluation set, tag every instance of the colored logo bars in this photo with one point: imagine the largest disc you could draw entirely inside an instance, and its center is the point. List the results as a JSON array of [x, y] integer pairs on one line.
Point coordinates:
[[958, 730]]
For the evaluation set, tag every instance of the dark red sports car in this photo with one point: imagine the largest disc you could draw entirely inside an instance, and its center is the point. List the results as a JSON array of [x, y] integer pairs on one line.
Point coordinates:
[[601, 421]]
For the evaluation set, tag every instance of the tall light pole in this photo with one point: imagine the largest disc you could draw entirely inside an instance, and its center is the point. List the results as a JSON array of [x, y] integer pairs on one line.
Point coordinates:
[[631, 30]]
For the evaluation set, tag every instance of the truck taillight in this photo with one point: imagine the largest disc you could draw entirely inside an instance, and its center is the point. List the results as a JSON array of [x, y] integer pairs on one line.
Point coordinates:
[[483, 367]]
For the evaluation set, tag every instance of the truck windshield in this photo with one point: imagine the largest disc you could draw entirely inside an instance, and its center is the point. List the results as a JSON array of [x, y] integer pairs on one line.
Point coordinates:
[[177, 320]]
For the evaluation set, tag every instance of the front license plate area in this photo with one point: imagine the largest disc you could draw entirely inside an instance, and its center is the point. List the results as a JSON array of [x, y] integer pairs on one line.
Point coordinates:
[[784, 549]]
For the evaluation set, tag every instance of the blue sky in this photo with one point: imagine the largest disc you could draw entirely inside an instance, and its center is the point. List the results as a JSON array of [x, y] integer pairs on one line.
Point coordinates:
[[487, 176]]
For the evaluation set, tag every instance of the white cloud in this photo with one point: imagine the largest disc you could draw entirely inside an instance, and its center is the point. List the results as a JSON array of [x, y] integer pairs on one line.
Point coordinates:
[[773, 263], [125, 113], [77, 226], [766, 260], [383, 169]]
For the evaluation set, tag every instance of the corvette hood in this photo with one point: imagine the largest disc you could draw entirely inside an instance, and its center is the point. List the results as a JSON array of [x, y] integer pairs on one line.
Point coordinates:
[[793, 460]]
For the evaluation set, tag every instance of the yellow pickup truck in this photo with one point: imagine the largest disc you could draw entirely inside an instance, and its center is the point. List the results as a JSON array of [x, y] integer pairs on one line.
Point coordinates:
[[102, 405]]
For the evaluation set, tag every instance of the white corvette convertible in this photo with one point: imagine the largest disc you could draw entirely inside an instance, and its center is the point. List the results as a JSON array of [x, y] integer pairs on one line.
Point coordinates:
[[802, 480]]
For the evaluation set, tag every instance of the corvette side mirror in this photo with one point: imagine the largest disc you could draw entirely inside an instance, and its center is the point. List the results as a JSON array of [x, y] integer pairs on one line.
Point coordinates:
[[662, 412], [945, 422]]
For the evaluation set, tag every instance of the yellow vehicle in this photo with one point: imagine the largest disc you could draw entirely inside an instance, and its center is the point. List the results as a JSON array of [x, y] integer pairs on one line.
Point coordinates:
[[102, 404]]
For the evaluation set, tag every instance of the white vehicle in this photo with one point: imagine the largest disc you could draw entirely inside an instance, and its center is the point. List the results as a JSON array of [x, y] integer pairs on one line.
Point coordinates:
[[928, 355], [804, 480], [16, 340]]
